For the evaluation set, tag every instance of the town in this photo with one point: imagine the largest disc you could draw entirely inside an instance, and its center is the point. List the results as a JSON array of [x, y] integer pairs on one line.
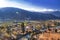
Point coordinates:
[[30, 30]]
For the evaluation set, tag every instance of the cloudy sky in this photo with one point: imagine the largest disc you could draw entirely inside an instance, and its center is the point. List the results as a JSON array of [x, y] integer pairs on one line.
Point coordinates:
[[32, 5]]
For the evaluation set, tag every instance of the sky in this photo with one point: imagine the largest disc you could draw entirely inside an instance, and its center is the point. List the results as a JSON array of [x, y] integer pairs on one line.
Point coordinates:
[[32, 5]]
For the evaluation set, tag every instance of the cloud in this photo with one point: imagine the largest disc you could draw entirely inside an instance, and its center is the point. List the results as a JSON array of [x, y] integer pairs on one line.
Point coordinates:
[[5, 3]]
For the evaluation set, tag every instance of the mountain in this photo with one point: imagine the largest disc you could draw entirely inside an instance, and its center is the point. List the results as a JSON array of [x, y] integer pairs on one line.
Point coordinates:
[[20, 14], [56, 13]]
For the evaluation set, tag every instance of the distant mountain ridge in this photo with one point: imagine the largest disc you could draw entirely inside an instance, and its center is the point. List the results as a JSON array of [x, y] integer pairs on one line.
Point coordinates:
[[20, 14]]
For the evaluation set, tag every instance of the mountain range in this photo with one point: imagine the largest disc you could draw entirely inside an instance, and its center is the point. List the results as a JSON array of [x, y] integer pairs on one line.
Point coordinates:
[[11, 13]]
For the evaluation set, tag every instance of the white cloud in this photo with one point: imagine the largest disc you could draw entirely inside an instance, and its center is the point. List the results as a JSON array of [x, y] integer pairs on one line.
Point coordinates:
[[4, 3]]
